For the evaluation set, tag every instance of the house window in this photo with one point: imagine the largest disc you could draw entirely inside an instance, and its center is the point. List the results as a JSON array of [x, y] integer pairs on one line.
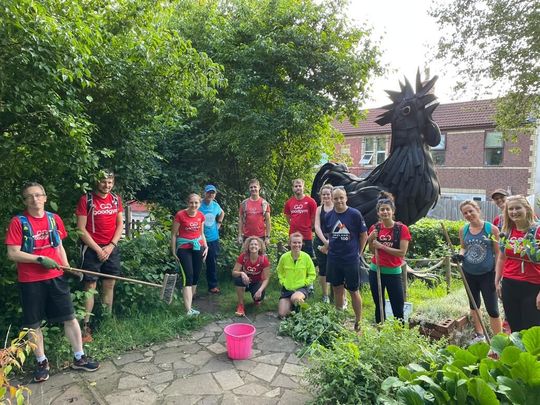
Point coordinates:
[[373, 151], [438, 153], [493, 149]]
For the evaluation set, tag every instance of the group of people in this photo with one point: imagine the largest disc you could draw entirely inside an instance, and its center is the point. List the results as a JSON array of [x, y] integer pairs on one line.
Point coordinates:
[[334, 253], [501, 260]]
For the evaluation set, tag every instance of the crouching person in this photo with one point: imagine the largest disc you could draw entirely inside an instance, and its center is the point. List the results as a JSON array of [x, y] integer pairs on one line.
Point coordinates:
[[296, 272], [251, 272], [34, 243]]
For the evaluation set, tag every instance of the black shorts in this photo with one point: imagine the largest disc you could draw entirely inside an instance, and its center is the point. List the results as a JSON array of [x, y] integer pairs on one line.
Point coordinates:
[[90, 261], [321, 257], [251, 287], [485, 284], [288, 294], [46, 300], [338, 274]]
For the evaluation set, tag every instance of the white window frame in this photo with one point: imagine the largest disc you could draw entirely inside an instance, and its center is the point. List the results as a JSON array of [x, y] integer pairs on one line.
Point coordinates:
[[371, 150], [493, 148]]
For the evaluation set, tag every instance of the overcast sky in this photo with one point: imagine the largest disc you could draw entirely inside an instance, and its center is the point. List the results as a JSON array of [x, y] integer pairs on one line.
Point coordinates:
[[408, 32]]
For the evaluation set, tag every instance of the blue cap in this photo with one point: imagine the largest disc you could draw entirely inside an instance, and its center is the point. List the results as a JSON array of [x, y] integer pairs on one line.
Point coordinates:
[[209, 188]]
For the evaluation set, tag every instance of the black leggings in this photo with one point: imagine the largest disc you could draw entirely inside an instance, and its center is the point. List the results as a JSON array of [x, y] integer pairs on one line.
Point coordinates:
[[191, 262], [394, 285], [519, 302], [485, 284]]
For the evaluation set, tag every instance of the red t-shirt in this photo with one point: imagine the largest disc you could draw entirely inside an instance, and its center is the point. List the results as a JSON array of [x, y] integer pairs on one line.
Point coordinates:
[[190, 227], [517, 269], [254, 224], [302, 215], [497, 221], [29, 272], [386, 236], [101, 223], [254, 270]]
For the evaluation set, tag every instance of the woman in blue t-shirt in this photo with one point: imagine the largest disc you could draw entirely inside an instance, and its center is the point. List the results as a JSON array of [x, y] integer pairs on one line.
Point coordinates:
[[478, 254]]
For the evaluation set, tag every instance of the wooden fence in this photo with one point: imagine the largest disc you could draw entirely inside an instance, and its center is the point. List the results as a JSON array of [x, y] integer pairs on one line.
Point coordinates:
[[449, 209]]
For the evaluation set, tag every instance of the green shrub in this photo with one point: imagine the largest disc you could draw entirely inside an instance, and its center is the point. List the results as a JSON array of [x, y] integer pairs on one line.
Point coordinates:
[[470, 376], [428, 239], [451, 306], [351, 369]]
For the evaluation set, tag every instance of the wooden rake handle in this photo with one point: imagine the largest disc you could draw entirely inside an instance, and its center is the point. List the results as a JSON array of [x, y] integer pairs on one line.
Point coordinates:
[[93, 273]]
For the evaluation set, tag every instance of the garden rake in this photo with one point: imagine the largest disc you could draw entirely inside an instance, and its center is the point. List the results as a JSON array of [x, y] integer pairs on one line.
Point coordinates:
[[467, 288], [167, 287]]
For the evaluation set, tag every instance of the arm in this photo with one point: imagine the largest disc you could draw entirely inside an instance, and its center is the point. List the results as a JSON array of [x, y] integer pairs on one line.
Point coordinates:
[[117, 234], [268, 224], [16, 255], [318, 229], [240, 224], [371, 238], [363, 240], [174, 232], [264, 284], [496, 249], [311, 274], [219, 219], [499, 266], [205, 246], [237, 272], [401, 252], [280, 269]]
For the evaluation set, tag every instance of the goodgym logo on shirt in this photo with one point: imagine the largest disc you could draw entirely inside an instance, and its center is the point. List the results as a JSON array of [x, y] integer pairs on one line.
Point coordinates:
[[192, 226], [106, 209], [299, 209]]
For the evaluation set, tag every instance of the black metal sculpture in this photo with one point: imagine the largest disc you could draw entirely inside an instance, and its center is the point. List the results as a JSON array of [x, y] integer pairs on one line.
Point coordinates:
[[408, 172]]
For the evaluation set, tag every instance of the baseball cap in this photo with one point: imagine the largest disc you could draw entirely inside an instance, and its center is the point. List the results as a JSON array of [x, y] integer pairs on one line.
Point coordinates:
[[499, 191], [209, 188]]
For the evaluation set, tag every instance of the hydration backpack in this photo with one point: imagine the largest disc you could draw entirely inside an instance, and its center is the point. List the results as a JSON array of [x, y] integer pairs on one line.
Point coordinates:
[[90, 207], [28, 244], [396, 236]]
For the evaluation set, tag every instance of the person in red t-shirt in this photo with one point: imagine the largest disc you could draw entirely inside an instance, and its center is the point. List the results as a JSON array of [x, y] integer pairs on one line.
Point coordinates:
[[517, 278], [251, 272], [254, 215], [189, 248], [499, 198], [34, 243], [300, 212], [100, 222], [390, 254]]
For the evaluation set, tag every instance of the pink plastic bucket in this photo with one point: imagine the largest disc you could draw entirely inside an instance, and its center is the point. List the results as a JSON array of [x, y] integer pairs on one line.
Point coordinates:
[[239, 338]]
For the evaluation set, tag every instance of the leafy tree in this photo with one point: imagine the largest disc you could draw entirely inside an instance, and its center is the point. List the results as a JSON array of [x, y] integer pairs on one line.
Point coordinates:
[[291, 67], [498, 40]]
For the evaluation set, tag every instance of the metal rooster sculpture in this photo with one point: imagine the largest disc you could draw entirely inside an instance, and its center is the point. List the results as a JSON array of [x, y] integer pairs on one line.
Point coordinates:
[[408, 172]]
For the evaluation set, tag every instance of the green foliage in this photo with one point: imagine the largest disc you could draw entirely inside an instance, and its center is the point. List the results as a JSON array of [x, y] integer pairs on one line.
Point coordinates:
[[317, 323], [352, 368], [12, 358], [473, 376], [428, 239], [503, 34]]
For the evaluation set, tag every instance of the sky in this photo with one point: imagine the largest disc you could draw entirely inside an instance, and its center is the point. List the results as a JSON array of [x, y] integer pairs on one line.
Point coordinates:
[[408, 33]]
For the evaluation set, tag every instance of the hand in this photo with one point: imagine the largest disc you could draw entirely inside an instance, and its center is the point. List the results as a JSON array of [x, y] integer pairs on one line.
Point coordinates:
[[48, 263], [323, 249], [457, 258], [245, 278], [377, 245], [267, 241], [205, 252], [372, 236], [257, 295], [240, 240], [538, 302]]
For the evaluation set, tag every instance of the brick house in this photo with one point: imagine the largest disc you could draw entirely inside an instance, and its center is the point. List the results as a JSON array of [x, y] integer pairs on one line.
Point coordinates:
[[472, 159]]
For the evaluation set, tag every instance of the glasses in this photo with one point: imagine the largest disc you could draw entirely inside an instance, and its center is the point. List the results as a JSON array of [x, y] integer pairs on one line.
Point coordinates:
[[30, 196]]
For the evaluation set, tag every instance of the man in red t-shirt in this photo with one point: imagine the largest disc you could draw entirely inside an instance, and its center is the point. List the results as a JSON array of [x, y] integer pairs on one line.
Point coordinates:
[[99, 221], [254, 215], [34, 243], [300, 213]]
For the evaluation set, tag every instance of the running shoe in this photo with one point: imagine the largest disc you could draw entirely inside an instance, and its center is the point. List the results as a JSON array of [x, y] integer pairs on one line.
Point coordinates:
[[240, 310], [193, 312], [85, 363], [345, 304], [214, 290], [326, 299], [41, 373], [257, 303]]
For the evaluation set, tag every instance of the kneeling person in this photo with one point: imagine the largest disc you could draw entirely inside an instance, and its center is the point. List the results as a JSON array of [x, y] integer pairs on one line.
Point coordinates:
[[251, 272], [296, 272]]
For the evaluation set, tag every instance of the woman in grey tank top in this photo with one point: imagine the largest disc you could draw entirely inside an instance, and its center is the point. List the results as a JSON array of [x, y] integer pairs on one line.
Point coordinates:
[[479, 252]]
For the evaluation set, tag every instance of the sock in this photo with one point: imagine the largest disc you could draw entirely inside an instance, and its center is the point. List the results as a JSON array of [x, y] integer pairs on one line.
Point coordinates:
[[41, 358], [78, 355]]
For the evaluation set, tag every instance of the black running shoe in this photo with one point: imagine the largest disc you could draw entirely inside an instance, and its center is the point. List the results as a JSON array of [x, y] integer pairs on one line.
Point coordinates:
[[85, 363], [41, 372]]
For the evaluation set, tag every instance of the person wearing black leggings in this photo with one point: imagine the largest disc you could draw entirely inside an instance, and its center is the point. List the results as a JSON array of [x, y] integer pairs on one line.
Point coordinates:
[[390, 239], [517, 271]]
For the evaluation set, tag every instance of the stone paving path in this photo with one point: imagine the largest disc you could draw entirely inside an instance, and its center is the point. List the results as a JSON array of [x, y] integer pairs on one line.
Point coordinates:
[[194, 370]]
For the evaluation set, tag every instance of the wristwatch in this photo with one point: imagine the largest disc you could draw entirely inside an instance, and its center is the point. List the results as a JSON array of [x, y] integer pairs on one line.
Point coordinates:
[[40, 259]]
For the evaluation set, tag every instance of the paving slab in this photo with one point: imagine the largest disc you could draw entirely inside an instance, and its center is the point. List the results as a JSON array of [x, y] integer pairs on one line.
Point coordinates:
[[252, 389], [228, 379], [265, 372], [201, 384], [128, 358], [142, 396]]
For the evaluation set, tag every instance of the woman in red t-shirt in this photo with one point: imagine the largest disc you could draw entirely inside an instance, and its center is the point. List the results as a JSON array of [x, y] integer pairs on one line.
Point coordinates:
[[251, 272], [189, 248], [390, 254], [517, 266]]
